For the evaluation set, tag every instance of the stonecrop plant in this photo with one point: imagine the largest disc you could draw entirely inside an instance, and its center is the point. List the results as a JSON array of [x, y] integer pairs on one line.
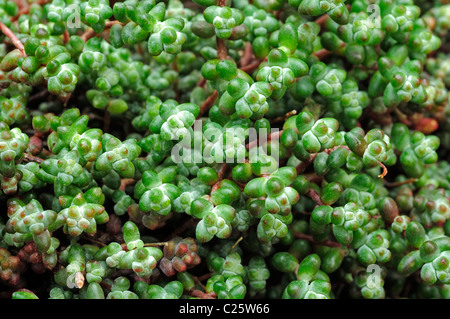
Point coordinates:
[[224, 149]]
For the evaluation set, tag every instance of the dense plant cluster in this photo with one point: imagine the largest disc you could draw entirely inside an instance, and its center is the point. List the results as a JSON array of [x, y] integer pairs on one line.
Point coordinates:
[[225, 149]]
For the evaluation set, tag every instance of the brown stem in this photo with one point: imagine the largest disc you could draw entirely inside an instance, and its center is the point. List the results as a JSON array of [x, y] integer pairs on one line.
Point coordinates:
[[284, 117], [205, 276], [66, 36], [65, 98], [321, 20], [98, 242], [314, 178], [269, 137], [202, 82], [19, 4], [329, 150], [202, 295], [26, 9], [309, 238], [15, 41], [32, 158], [39, 95], [252, 66], [207, 104], [198, 282], [164, 243], [403, 118], [90, 33], [247, 56], [312, 193], [188, 224], [124, 182], [302, 166], [235, 244], [396, 184], [105, 285], [322, 53], [221, 174], [221, 49], [385, 171]]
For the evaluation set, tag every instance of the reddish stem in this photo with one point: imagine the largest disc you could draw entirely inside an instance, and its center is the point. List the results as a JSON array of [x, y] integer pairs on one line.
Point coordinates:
[[202, 295], [188, 224], [247, 56], [124, 182], [90, 33], [202, 82], [205, 277], [309, 238], [315, 196], [31, 158], [15, 41], [221, 49], [207, 104], [284, 117], [385, 171], [221, 173], [321, 20], [322, 53], [269, 138], [302, 166], [396, 184], [66, 36], [252, 66], [26, 9]]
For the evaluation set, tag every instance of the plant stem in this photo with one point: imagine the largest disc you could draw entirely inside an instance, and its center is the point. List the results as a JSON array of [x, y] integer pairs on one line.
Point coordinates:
[[271, 136], [221, 49], [309, 238], [251, 67], [205, 276], [321, 20], [385, 171], [165, 243], [198, 282], [221, 174], [305, 163], [32, 158], [322, 53], [247, 56], [124, 182], [235, 244], [15, 41], [90, 33], [396, 184], [202, 295], [315, 196], [26, 9], [208, 103], [283, 118], [187, 224]]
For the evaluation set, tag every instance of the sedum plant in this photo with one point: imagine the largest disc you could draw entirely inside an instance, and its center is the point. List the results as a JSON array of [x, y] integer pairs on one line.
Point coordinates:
[[224, 149]]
